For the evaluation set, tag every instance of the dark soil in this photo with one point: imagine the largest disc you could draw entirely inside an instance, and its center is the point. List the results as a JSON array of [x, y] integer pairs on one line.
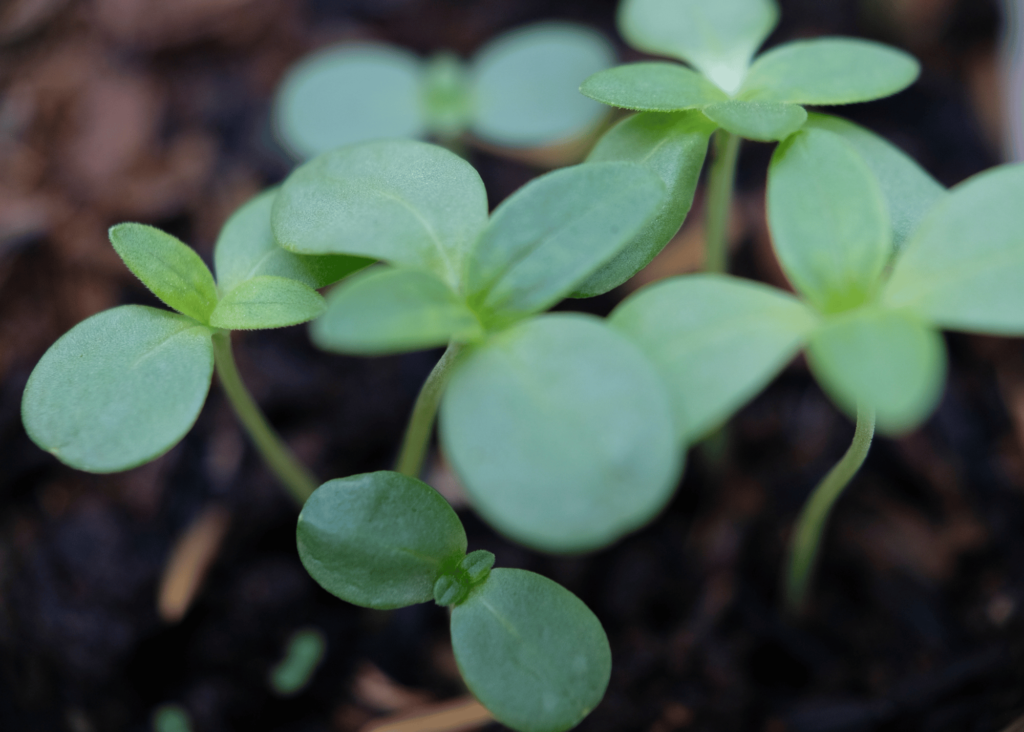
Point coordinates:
[[115, 110]]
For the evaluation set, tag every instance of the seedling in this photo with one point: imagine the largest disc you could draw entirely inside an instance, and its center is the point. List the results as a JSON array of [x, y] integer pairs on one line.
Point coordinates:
[[556, 424], [874, 289], [756, 100], [124, 386], [528, 649], [518, 91]]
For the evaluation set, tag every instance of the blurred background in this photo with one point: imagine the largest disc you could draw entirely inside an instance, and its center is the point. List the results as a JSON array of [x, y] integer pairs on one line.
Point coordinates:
[[178, 583]]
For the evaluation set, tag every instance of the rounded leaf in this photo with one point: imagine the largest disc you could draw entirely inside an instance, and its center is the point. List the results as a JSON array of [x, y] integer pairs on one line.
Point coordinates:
[[119, 389], [718, 38], [909, 191], [246, 248], [378, 539], [829, 223], [388, 310], [715, 340], [652, 86], [964, 266], [829, 71], [671, 145], [530, 651], [561, 432], [347, 94], [401, 201], [889, 361], [761, 121], [526, 84]]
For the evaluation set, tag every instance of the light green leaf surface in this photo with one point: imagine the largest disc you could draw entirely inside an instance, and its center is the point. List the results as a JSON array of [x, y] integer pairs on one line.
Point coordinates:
[[829, 71], [246, 248], [909, 191], [447, 96], [386, 310], [671, 145], [718, 38], [892, 362], [119, 389], [347, 94], [402, 201], [829, 222], [531, 651], [715, 340], [526, 84], [561, 433], [652, 86], [169, 268], [761, 121], [964, 267], [267, 302], [378, 539], [550, 235]]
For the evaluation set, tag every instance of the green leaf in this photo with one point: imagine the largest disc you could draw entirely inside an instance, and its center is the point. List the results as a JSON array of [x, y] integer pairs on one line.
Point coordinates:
[[671, 145], [715, 340], [246, 248], [908, 190], [447, 96], [387, 310], [761, 121], [119, 389], [549, 236], [170, 269], [531, 651], [717, 38], [964, 267], [652, 86], [347, 94], [402, 201], [829, 223], [378, 539], [526, 84], [886, 360], [561, 433], [829, 71], [267, 302]]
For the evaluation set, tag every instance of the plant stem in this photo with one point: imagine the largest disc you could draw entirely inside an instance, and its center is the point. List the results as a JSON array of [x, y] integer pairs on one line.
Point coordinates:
[[803, 549], [720, 183], [421, 422], [293, 474]]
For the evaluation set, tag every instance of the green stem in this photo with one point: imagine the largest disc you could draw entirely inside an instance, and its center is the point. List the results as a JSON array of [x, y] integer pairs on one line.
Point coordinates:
[[421, 422], [293, 474], [720, 183], [803, 550]]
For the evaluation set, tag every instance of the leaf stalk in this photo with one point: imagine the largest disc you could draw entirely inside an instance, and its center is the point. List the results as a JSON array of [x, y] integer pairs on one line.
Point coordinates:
[[720, 186], [421, 421]]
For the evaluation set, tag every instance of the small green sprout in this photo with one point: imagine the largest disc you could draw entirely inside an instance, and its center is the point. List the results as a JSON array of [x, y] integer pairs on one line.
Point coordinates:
[[556, 424], [124, 386], [868, 311], [528, 649], [171, 718], [303, 653], [518, 91]]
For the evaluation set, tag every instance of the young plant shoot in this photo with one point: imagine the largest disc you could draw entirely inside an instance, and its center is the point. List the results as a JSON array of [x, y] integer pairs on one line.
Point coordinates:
[[124, 386], [527, 648], [878, 272], [743, 97], [556, 424], [518, 91]]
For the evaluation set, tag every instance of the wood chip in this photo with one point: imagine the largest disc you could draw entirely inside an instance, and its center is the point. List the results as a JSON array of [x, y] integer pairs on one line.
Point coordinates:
[[457, 715], [189, 562]]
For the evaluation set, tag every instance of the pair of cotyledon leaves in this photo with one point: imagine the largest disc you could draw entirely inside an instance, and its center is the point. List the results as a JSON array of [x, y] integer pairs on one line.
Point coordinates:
[[759, 100], [529, 649], [556, 424], [518, 91], [881, 257], [124, 386]]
